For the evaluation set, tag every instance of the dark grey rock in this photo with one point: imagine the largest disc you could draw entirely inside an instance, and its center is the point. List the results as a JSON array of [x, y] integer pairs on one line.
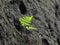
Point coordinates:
[[46, 18]]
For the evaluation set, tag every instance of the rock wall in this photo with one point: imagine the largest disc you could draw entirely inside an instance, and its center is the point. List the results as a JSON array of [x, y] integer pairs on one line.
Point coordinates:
[[46, 18]]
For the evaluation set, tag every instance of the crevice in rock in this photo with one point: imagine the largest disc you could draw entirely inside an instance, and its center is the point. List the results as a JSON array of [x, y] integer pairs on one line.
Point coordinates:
[[55, 25], [15, 1], [56, 14], [56, 6], [12, 2], [38, 0], [49, 27], [45, 42], [9, 18], [17, 24], [1, 30], [58, 41], [49, 24], [56, 9], [22, 8]]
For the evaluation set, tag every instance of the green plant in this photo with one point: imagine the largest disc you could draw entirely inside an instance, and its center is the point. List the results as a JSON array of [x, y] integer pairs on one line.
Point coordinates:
[[26, 21]]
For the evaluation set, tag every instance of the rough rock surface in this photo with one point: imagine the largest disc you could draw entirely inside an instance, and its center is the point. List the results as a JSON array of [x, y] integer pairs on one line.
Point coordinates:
[[46, 18]]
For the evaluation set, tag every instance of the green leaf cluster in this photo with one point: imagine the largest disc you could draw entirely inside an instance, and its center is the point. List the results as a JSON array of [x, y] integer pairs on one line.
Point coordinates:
[[26, 21]]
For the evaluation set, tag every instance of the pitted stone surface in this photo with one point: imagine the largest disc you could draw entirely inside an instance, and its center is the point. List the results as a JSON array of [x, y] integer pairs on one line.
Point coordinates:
[[46, 18]]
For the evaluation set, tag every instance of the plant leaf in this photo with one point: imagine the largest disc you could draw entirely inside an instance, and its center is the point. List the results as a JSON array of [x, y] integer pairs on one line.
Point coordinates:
[[25, 20]]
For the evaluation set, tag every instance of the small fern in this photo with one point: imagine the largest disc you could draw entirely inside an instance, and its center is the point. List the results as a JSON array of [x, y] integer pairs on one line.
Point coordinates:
[[26, 21]]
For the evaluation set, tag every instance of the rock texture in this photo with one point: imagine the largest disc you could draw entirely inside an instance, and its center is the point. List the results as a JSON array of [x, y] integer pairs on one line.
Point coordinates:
[[46, 18]]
